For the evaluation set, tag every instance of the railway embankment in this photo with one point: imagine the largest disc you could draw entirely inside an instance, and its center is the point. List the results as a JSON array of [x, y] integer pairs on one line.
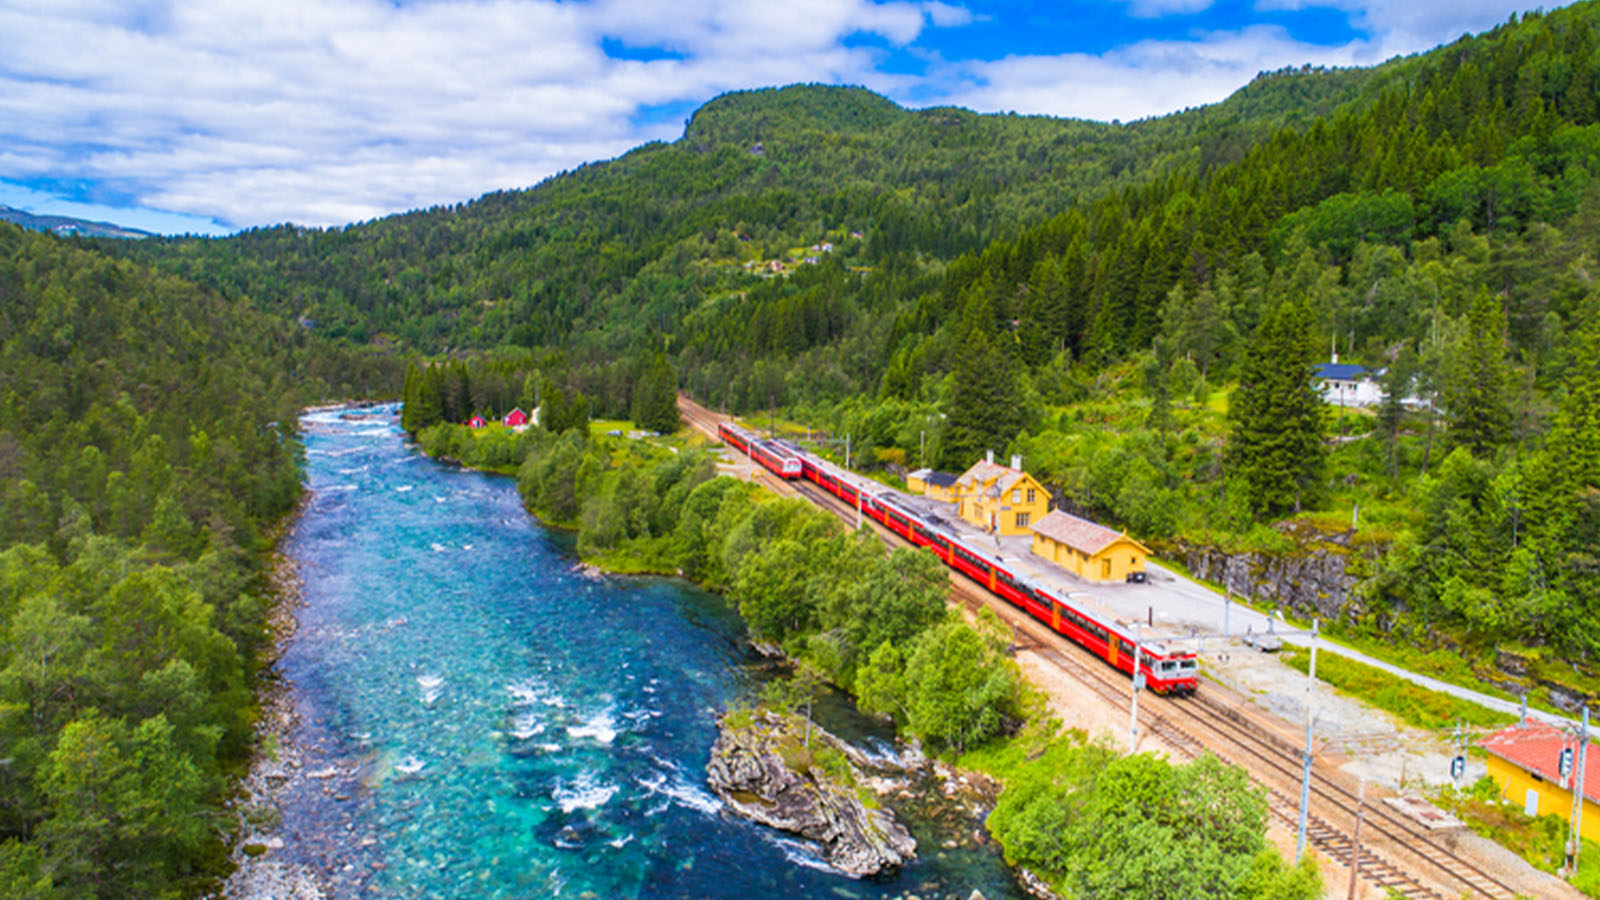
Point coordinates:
[[791, 775]]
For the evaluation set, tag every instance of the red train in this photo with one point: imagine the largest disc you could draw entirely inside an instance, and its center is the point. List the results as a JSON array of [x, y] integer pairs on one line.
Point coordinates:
[[773, 455], [1165, 670]]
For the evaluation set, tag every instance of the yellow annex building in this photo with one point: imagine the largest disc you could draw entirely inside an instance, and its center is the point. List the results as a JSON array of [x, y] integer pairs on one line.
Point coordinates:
[[1524, 761], [1092, 552], [939, 486], [1001, 499]]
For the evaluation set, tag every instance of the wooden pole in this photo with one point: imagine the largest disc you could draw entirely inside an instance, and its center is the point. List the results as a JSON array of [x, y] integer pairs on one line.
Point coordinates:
[[1355, 840]]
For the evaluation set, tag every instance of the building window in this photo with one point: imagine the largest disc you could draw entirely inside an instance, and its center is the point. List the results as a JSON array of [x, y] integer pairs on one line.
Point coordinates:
[[1016, 495], [1030, 495], [1023, 519]]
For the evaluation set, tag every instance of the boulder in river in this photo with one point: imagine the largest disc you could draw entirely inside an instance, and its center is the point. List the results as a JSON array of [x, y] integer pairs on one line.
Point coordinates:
[[763, 769]]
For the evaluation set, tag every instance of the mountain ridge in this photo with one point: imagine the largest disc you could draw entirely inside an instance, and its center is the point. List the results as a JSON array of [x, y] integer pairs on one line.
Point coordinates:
[[67, 225]]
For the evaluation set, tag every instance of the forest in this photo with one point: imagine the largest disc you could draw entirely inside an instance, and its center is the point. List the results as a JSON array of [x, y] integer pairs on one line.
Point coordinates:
[[1133, 307], [148, 457]]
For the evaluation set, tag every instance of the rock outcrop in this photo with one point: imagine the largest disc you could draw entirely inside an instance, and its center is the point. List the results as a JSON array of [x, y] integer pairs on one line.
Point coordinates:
[[1316, 578], [763, 769]]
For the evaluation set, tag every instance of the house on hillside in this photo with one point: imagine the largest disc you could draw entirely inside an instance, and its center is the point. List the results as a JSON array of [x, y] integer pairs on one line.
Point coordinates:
[[477, 421], [1347, 384], [1091, 551], [1001, 499], [514, 419], [1525, 761], [933, 485]]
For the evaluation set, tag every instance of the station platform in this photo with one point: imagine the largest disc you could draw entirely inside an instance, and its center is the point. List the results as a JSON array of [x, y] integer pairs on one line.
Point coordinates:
[[1133, 606]]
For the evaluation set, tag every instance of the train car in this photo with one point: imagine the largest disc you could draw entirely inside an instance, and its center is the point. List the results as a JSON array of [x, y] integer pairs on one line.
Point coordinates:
[[1165, 670]]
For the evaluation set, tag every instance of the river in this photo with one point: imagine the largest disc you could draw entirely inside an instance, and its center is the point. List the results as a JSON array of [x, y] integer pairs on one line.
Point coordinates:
[[479, 718]]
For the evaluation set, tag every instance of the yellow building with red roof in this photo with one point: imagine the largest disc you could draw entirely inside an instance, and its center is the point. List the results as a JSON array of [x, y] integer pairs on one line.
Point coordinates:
[[1525, 761]]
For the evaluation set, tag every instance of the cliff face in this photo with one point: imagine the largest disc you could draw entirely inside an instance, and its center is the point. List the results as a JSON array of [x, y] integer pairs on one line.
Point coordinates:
[[763, 769], [1316, 578]]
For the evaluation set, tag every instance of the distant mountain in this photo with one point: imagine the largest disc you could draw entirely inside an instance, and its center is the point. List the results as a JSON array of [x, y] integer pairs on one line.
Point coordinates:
[[65, 225]]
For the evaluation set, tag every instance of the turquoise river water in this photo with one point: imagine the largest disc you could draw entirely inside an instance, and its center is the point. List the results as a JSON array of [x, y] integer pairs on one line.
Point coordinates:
[[480, 718]]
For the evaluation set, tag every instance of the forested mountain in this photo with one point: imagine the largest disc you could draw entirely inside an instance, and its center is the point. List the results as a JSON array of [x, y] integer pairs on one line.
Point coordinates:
[[148, 452], [67, 225], [613, 253]]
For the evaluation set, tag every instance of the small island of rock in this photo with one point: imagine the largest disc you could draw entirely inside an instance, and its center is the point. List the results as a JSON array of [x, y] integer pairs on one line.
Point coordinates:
[[762, 766]]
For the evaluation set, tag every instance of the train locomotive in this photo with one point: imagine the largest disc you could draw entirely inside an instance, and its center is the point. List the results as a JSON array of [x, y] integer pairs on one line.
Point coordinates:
[[779, 459], [1075, 616]]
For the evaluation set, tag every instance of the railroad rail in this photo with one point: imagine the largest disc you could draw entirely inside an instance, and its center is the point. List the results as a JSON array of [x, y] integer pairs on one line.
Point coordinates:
[[1162, 717]]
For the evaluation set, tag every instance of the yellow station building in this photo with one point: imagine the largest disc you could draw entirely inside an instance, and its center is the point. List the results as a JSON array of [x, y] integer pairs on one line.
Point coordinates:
[[1525, 761], [1001, 499], [1092, 552]]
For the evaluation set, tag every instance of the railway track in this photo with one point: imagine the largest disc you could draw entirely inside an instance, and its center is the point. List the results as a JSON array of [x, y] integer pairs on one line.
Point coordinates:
[[1175, 721]]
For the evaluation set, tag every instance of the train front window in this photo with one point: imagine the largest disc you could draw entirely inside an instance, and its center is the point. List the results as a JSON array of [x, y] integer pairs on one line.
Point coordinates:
[[1188, 665]]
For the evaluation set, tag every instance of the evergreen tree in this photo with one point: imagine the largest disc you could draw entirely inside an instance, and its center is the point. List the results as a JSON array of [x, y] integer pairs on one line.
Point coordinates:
[[1275, 448], [984, 411], [1391, 411], [655, 397], [1475, 389]]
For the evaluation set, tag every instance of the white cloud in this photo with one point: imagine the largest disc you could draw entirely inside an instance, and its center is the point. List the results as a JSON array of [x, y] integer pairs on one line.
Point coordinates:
[[1142, 79], [325, 111], [1150, 9], [1406, 26], [944, 15]]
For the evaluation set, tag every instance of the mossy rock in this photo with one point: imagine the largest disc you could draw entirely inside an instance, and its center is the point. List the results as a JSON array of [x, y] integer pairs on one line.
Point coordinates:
[[254, 850]]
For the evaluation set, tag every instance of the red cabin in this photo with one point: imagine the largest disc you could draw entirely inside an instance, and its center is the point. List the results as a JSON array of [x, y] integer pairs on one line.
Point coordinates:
[[514, 419], [477, 422]]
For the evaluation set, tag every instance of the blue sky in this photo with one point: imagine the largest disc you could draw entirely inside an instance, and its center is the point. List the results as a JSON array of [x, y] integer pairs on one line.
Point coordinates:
[[215, 115]]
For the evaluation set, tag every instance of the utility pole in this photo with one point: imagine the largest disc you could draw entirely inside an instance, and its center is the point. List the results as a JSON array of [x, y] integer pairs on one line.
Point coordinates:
[[1305, 767], [1133, 711], [1227, 604], [1575, 847], [1355, 839]]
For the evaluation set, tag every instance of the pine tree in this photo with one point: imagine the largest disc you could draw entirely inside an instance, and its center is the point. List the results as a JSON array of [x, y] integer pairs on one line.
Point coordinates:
[[983, 413], [655, 397], [1475, 389], [1275, 449]]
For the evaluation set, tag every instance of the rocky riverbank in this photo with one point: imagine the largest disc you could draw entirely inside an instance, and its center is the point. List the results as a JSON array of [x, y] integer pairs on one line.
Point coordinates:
[[764, 769], [258, 873]]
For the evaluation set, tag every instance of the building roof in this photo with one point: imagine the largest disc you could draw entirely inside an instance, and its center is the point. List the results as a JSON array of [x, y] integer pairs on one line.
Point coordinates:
[[1079, 534], [1536, 747], [984, 471], [939, 479], [1338, 371]]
